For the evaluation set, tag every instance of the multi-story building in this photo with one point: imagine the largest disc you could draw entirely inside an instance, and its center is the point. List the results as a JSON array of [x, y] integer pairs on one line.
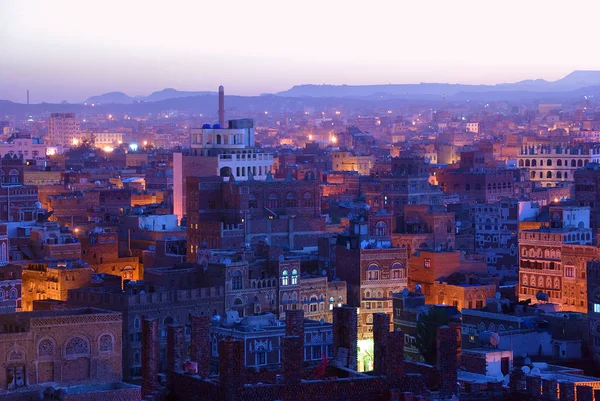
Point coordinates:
[[229, 214], [18, 202], [226, 152], [53, 280], [593, 307], [262, 336], [63, 129], [72, 347], [586, 191], [542, 275], [373, 271], [27, 147], [425, 227], [347, 161], [553, 165], [138, 300], [407, 183]]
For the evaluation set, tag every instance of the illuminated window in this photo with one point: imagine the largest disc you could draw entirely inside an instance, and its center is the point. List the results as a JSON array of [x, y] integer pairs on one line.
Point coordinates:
[[427, 263], [284, 278], [596, 308]]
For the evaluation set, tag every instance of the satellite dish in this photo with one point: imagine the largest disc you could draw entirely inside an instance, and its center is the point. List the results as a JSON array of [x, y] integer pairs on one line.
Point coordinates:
[[498, 296], [495, 339], [458, 223], [526, 369], [418, 288], [535, 371], [405, 292], [281, 258], [527, 361], [324, 272]]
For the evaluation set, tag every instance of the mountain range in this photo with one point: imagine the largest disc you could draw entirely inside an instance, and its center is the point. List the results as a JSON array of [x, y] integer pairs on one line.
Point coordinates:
[[122, 98]]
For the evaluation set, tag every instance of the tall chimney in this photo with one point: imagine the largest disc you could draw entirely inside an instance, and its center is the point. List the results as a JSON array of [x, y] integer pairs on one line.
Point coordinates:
[[28, 97], [149, 356], [222, 106]]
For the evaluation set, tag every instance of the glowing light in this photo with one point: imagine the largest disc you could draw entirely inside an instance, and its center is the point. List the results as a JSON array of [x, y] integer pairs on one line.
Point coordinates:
[[110, 116], [266, 112], [333, 139], [50, 151], [76, 230], [310, 137], [389, 112], [119, 141], [556, 200], [133, 146], [145, 143], [75, 142], [337, 113], [108, 149]]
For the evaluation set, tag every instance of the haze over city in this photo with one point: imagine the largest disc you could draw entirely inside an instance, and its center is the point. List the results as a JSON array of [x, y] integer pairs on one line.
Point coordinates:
[[70, 50]]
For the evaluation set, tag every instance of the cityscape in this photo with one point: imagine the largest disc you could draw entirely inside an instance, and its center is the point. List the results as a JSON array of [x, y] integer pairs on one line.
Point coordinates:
[[312, 223]]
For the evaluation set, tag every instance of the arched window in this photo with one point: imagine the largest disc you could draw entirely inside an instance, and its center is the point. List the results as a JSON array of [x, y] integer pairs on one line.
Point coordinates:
[[294, 276], [373, 272], [549, 282], [521, 164], [549, 163], [285, 277], [534, 163], [290, 200], [137, 323], [369, 318], [573, 163], [558, 174], [556, 283], [549, 174], [252, 201], [307, 200], [559, 162], [168, 320], [525, 280], [273, 202], [77, 346], [579, 163], [13, 176], [527, 163], [398, 270], [380, 229], [46, 348], [106, 343]]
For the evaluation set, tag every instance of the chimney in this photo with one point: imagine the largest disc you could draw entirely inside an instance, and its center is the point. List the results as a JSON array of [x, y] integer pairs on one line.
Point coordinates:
[[27, 97], [175, 348], [294, 323], [394, 357], [292, 359], [200, 347], [231, 368], [446, 359], [345, 336], [381, 327], [149, 356], [222, 106]]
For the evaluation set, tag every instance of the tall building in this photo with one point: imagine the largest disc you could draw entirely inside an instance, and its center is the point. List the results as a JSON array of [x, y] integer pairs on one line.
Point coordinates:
[[63, 128]]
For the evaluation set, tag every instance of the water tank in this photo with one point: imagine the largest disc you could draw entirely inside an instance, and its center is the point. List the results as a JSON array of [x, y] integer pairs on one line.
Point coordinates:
[[216, 126], [206, 126]]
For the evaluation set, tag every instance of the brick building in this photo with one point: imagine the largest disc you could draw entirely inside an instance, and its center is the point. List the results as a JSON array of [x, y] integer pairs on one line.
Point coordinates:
[[372, 272], [140, 300], [69, 347], [425, 227], [230, 214]]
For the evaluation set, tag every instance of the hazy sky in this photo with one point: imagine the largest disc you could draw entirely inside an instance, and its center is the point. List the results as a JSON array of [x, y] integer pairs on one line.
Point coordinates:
[[72, 49]]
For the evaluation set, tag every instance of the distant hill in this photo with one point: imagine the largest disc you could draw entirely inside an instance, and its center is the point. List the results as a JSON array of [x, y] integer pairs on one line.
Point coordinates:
[[572, 82], [111, 98], [170, 93]]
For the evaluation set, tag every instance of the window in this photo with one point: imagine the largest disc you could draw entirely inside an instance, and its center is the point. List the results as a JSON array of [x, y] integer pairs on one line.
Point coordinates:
[[15, 377], [427, 263], [284, 277], [596, 308], [471, 338], [261, 357], [294, 276], [252, 201], [236, 281], [373, 272]]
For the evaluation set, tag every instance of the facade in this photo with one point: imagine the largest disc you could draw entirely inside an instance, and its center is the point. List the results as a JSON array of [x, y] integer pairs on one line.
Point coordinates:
[[138, 301], [541, 261], [372, 274], [53, 280], [234, 147], [18, 202], [68, 347], [407, 183], [228, 215], [346, 161], [593, 307], [552, 166], [63, 129], [26, 147]]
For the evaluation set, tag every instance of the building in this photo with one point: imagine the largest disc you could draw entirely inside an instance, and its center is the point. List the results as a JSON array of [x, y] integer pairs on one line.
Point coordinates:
[[373, 271], [137, 301], [230, 214], [542, 275], [553, 165], [63, 129], [18, 202], [73, 348], [347, 161]]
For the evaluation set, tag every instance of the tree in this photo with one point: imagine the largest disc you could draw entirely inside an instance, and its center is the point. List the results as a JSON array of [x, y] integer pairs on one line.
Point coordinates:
[[427, 329]]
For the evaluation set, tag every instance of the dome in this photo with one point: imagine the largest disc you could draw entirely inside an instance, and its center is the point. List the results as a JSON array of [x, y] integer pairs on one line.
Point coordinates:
[[38, 205], [217, 126], [205, 126], [98, 184]]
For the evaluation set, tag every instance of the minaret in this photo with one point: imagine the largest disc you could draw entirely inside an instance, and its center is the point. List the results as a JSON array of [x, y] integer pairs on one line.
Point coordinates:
[[27, 96], [222, 106]]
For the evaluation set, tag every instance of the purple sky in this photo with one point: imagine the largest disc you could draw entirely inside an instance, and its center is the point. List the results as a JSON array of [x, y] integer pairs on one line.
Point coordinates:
[[70, 50]]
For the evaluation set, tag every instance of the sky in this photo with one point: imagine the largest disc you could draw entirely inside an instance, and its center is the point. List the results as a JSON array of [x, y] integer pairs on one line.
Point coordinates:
[[73, 49]]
